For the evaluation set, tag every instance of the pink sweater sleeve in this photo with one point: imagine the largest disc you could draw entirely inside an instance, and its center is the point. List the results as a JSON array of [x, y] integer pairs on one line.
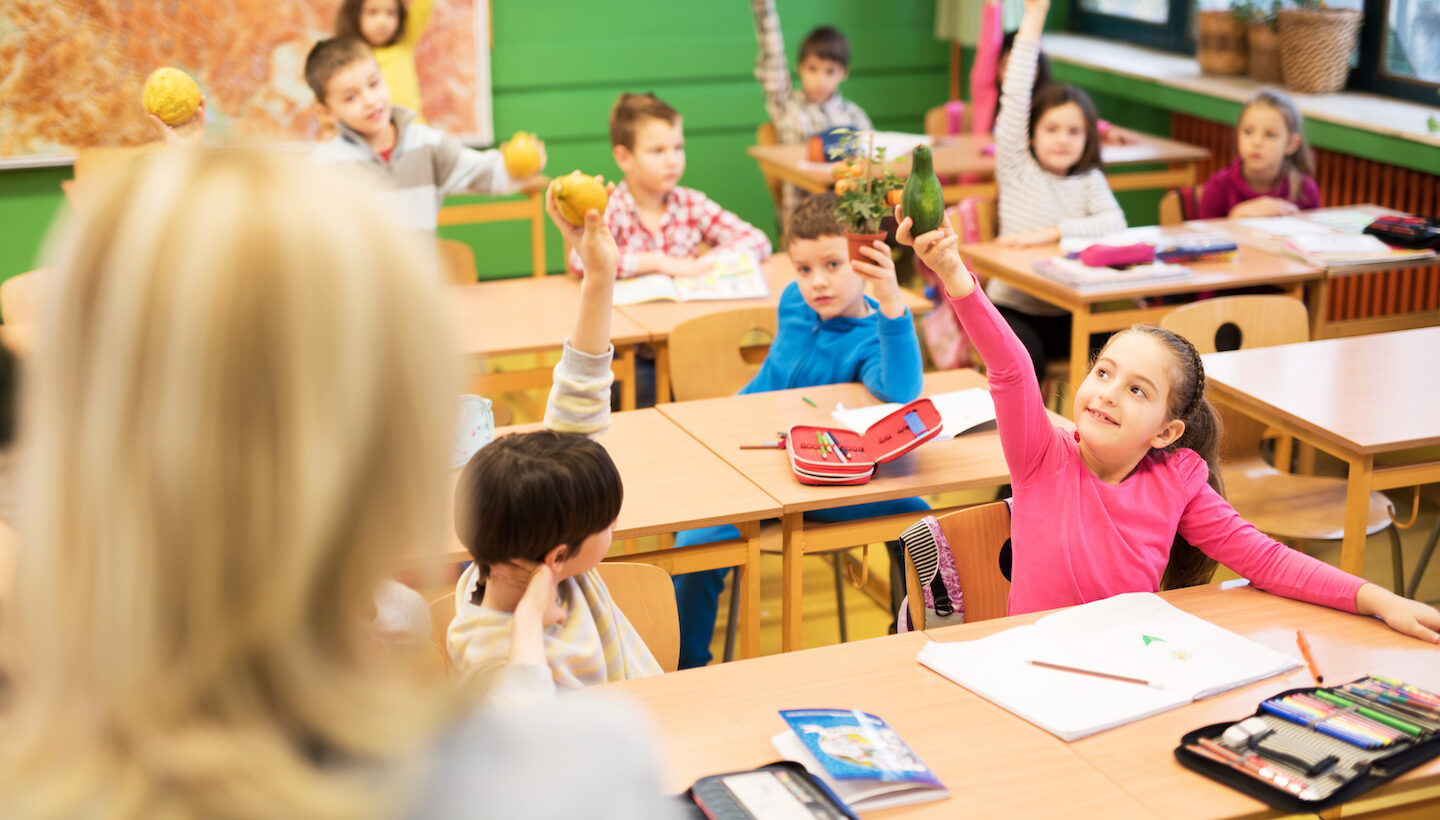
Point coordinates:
[[984, 88], [1212, 525], [1026, 433]]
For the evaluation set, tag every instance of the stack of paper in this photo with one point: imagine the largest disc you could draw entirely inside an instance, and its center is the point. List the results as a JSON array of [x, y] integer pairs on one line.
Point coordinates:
[[960, 411], [1081, 276], [1333, 248]]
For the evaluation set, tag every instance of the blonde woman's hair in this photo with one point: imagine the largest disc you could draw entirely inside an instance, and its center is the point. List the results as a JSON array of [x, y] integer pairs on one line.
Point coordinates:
[[234, 420]]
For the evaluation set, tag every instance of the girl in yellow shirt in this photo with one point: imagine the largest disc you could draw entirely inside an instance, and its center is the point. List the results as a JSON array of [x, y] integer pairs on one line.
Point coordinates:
[[393, 30]]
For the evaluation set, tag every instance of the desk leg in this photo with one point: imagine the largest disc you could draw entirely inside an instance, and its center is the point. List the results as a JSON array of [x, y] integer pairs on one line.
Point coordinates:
[[537, 232], [748, 586], [1079, 359], [1318, 301], [792, 593], [662, 371], [1357, 514], [625, 372]]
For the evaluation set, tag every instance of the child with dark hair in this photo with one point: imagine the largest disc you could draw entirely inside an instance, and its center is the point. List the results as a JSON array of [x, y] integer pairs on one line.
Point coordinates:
[[392, 28], [1101, 510], [1047, 166], [817, 104], [828, 332]]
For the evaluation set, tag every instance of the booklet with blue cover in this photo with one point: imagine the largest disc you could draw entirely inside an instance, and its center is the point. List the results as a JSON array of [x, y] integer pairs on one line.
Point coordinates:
[[859, 757]]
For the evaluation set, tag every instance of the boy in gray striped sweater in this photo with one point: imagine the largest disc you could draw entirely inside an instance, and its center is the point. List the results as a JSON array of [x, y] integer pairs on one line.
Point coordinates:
[[417, 165]]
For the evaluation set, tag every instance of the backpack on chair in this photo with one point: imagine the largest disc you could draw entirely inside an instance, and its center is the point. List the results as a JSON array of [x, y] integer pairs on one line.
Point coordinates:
[[930, 553]]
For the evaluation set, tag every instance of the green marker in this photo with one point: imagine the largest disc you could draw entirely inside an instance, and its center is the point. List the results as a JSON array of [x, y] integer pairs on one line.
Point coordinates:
[[1378, 717]]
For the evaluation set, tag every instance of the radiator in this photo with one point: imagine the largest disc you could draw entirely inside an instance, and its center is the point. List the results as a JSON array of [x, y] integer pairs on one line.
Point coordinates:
[[1347, 180]]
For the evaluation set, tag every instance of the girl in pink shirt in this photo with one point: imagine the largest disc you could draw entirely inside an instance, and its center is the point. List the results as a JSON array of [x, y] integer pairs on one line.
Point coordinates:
[[1098, 510], [1271, 174]]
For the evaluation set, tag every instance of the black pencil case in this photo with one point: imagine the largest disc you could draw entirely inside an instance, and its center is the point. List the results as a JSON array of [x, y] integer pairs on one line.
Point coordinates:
[[1417, 232], [1355, 770]]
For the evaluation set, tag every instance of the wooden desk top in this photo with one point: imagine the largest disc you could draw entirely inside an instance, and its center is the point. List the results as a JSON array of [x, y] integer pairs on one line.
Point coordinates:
[[1140, 756], [1249, 267], [966, 154], [969, 460], [524, 315], [721, 718], [1362, 394], [1251, 237], [660, 318], [671, 481]]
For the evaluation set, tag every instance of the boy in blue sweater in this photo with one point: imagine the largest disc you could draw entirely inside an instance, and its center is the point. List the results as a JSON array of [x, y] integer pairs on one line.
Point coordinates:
[[829, 332]]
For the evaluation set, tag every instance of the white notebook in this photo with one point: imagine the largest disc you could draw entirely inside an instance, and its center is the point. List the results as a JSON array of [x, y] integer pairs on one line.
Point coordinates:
[[1135, 635]]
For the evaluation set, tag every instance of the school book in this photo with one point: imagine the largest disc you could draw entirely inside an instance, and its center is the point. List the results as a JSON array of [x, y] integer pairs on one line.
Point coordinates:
[[858, 755], [1153, 658], [1337, 248], [1081, 276], [960, 411], [730, 276]]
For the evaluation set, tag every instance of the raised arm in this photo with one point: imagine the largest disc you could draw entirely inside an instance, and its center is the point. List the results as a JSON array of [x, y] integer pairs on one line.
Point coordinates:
[[897, 373], [1012, 142], [983, 82], [580, 394], [417, 19], [773, 72]]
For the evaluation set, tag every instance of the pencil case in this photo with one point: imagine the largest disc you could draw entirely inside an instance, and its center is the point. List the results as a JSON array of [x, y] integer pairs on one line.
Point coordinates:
[[835, 455], [1417, 232], [1307, 750], [1117, 256]]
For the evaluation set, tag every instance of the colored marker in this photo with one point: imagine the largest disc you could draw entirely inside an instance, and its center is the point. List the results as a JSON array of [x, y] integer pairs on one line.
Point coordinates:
[[1309, 658], [1378, 717], [769, 445], [824, 448], [836, 448], [807, 401]]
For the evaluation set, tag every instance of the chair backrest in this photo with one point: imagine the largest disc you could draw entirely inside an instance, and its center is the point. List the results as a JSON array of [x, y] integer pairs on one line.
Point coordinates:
[[976, 536], [1240, 323], [442, 612], [974, 218], [646, 594], [456, 261], [1180, 204], [20, 297], [716, 354], [766, 134], [947, 119]]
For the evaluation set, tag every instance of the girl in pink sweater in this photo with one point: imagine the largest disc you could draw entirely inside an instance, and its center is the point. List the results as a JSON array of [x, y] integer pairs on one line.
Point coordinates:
[[1097, 510]]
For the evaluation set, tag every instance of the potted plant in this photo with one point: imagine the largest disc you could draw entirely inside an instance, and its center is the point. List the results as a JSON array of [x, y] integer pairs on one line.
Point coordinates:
[[1315, 45], [1262, 37], [868, 191], [1220, 46]]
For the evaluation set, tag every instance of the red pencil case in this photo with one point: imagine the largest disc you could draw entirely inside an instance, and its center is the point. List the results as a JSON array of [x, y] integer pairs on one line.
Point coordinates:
[[859, 455]]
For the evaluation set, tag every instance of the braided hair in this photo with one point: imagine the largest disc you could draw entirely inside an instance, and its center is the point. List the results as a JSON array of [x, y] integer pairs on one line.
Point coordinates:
[[1189, 566]]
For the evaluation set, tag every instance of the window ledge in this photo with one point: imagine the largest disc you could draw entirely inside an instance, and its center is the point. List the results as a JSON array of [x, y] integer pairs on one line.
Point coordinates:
[[1352, 109]]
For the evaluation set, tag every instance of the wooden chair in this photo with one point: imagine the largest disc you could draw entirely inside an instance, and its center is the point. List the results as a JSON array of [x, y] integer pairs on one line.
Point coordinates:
[[20, 297], [1288, 507], [456, 261], [1180, 204], [766, 134], [442, 612], [717, 354], [976, 536], [646, 594]]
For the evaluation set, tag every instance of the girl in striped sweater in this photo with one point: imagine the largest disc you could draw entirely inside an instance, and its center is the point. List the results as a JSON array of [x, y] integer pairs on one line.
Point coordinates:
[[1047, 165]]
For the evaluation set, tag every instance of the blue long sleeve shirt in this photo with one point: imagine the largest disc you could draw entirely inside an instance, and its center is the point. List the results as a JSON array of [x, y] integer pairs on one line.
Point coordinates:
[[882, 353]]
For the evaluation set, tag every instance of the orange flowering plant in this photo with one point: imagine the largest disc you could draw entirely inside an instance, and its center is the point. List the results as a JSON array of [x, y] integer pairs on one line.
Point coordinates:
[[867, 186]]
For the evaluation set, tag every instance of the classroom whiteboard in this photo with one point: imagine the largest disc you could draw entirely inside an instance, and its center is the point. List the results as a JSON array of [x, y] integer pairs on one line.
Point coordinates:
[[71, 70]]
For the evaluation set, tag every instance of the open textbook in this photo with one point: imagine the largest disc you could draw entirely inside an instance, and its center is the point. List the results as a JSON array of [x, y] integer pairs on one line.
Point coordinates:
[[960, 411], [731, 276], [1137, 635]]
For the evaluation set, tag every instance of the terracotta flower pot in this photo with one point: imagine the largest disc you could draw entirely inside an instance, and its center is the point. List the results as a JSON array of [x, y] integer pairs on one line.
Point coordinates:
[[856, 241]]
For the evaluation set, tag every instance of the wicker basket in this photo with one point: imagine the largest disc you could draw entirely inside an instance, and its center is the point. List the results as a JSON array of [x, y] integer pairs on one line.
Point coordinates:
[[1315, 48], [1264, 53], [1221, 46]]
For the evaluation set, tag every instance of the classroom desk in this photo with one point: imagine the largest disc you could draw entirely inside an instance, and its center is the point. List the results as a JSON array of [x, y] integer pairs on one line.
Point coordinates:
[[514, 316], [1353, 397], [1320, 326], [660, 318], [1139, 757], [1015, 267], [966, 155], [721, 718], [967, 461], [671, 482]]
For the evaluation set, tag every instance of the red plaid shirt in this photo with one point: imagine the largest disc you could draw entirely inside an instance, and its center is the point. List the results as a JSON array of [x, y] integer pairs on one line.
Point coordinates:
[[690, 220]]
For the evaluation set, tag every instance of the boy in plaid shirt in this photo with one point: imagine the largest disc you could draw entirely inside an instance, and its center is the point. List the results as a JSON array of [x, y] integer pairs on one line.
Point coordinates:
[[658, 225]]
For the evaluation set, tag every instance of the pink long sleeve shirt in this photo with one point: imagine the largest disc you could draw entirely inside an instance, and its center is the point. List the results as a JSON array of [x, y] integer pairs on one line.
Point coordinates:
[[1078, 539]]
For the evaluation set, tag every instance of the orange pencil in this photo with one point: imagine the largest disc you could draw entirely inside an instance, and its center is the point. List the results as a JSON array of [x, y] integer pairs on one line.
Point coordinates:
[[1309, 658]]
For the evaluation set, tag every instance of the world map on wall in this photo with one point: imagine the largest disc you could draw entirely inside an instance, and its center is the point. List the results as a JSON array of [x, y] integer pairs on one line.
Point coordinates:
[[71, 70]]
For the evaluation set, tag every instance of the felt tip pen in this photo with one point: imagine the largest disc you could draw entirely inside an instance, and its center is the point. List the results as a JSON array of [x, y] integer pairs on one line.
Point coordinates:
[[1300, 717], [1365, 711], [1309, 658], [807, 401]]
